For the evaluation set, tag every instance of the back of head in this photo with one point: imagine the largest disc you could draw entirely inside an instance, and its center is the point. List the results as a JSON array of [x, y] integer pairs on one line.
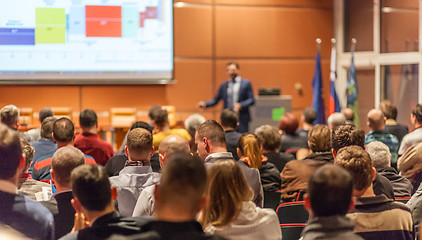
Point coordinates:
[[288, 123], [269, 136], [310, 115], [182, 183], [63, 130], [212, 131], [45, 113], [139, 141], [9, 115], [330, 190], [417, 112], [10, 152], [358, 163], [347, 135], [173, 144], [91, 186], [142, 124], [228, 118], [87, 118], [379, 153], [226, 189], [161, 117], [376, 119], [47, 128], [64, 160], [153, 110], [348, 114], [389, 110], [335, 120], [193, 122], [319, 138], [250, 146], [28, 152]]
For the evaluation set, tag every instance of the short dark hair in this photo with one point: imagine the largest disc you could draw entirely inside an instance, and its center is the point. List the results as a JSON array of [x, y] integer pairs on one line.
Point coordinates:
[[269, 137], [47, 128], [141, 124], [330, 190], [233, 63], [160, 117], [64, 160], [139, 140], [347, 135], [213, 131], [10, 152], [228, 118], [87, 118], [44, 113], [389, 110], [152, 111], [417, 112], [91, 186], [63, 130], [310, 115]]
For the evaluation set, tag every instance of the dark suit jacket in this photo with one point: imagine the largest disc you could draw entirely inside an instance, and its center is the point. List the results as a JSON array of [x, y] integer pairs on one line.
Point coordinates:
[[63, 212], [232, 138]]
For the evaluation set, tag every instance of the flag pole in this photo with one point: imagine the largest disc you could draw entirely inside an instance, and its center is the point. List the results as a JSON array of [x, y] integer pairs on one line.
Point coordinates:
[[353, 44], [318, 44]]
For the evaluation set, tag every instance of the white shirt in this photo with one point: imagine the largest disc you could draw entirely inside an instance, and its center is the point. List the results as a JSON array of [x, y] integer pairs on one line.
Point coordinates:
[[236, 86]]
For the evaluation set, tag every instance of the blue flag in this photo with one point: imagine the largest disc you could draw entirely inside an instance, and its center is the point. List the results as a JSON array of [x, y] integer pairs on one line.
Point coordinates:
[[352, 90], [317, 100]]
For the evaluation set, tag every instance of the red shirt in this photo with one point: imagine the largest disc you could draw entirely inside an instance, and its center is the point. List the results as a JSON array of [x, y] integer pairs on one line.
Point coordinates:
[[90, 144]]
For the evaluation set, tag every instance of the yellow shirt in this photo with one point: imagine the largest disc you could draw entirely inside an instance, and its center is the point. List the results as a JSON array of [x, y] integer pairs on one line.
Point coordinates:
[[158, 137]]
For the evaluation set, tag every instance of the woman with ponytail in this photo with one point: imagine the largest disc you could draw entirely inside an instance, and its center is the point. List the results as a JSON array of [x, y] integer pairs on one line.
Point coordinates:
[[250, 153]]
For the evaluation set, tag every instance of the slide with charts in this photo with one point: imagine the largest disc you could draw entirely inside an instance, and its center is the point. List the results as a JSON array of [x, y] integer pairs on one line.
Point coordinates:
[[86, 39]]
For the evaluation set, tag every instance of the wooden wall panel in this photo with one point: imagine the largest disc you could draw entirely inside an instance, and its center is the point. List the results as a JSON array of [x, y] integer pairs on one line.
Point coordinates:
[[271, 32], [194, 1], [286, 3]]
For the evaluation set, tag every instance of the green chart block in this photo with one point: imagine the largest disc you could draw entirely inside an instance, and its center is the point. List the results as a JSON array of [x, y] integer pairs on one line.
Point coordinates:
[[277, 113], [50, 25]]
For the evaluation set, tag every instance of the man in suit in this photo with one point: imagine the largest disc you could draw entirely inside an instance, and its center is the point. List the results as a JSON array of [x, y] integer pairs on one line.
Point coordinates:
[[229, 122], [237, 94]]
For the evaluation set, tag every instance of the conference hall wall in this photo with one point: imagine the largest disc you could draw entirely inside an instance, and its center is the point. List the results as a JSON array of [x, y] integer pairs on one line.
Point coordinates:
[[273, 41]]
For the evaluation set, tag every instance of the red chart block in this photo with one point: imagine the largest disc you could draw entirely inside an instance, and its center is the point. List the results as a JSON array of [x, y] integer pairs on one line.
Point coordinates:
[[103, 21], [142, 16], [151, 12]]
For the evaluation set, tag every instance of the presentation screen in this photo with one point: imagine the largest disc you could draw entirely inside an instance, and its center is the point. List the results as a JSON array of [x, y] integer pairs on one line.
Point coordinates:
[[86, 41]]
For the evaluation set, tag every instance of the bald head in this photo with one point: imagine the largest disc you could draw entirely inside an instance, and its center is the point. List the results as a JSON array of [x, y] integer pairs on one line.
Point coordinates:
[[170, 145], [65, 159], [376, 119]]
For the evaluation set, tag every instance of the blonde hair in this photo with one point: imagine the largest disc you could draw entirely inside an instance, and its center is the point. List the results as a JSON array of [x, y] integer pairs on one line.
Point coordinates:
[[250, 147], [226, 189]]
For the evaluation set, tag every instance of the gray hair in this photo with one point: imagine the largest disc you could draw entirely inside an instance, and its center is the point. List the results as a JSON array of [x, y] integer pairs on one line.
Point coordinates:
[[336, 119], [380, 154], [9, 115], [193, 122]]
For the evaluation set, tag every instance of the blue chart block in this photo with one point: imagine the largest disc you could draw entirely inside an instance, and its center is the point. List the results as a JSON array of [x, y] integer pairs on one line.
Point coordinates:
[[130, 22], [160, 9], [17, 36], [77, 20]]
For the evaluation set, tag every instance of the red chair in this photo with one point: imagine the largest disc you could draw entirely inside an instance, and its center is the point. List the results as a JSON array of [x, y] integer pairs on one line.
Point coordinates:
[[402, 199]]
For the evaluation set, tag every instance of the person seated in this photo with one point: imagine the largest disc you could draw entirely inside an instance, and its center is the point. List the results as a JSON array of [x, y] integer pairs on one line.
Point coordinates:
[[375, 216], [336, 119], [270, 140], [249, 151], [192, 124], [89, 142], [229, 122], [328, 200], [162, 129], [95, 216], [46, 144], [381, 160], [410, 163], [229, 211], [35, 134], [296, 173], [308, 117], [393, 127], [9, 116], [291, 139], [349, 115], [415, 136]]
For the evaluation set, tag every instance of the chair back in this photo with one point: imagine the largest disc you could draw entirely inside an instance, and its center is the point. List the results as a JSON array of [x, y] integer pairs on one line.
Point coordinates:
[[293, 218], [272, 199], [402, 199]]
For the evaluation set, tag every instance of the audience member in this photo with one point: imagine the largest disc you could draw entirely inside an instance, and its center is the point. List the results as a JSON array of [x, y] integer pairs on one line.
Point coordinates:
[[291, 139], [349, 115], [415, 205], [410, 162], [376, 122], [10, 116], [137, 173], [335, 119], [296, 173], [116, 163], [137, 124], [390, 112], [64, 161], [162, 127], [45, 145], [374, 216], [229, 123], [380, 156], [328, 200], [192, 124], [349, 135], [95, 216], [270, 140], [26, 185], [17, 211], [35, 134], [211, 143], [169, 146], [230, 212], [89, 142], [308, 117], [64, 135], [250, 153], [415, 136]]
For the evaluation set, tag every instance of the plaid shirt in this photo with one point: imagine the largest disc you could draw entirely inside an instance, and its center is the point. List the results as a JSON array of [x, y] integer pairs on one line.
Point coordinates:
[[388, 139]]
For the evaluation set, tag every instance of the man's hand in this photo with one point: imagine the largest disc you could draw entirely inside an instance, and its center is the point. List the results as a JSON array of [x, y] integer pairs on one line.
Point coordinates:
[[201, 105], [237, 107]]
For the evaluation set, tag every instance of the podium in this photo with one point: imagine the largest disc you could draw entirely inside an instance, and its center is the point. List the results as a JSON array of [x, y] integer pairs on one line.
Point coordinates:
[[262, 110]]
